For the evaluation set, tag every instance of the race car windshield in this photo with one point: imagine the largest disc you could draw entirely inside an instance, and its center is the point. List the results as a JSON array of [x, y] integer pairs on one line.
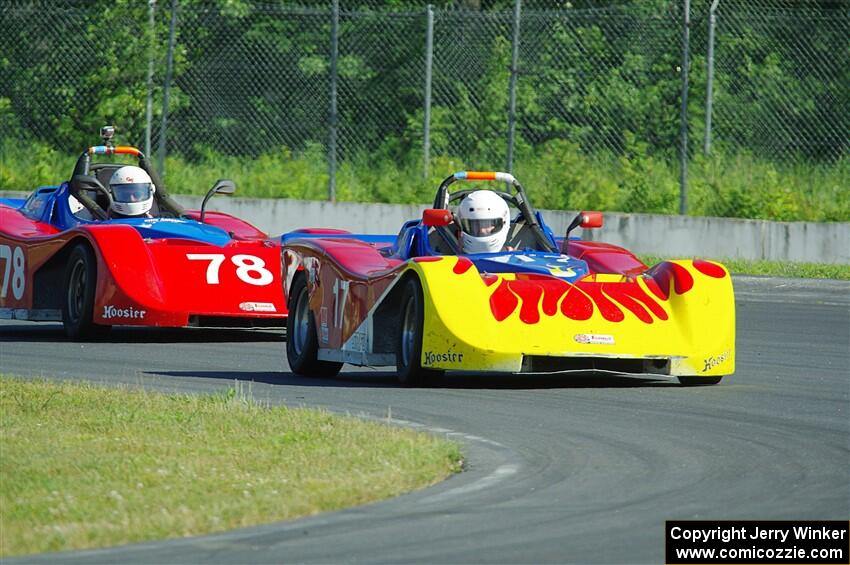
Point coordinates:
[[135, 192], [481, 227]]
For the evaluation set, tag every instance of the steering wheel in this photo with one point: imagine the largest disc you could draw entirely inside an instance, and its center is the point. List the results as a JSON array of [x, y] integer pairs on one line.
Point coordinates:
[[80, 184]]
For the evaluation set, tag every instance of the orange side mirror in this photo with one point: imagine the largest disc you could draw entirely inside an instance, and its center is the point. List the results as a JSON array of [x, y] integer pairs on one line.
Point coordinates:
[[433, 217], [591, 220]]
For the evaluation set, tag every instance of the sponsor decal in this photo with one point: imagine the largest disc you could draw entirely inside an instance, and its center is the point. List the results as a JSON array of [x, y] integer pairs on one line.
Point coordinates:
[[324, 324], [359, 341], [110, 311], [559, 271], [257, 307], [602, 339], [714, 361], [448, 357]]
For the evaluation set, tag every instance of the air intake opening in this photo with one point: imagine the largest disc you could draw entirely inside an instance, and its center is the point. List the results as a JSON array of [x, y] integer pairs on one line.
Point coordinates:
[[545, 364], [235, 322]]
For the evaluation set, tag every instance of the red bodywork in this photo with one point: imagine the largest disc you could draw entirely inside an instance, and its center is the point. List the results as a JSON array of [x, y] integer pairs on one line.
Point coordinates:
[[144, 282]]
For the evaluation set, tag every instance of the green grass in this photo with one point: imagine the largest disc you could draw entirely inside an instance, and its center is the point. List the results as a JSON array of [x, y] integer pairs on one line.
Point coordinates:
[[84, 466], [775, 268], [558, 176]]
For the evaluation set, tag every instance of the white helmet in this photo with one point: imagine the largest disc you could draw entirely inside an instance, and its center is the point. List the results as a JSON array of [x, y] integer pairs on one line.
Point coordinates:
[[132, 191], [484, 220]]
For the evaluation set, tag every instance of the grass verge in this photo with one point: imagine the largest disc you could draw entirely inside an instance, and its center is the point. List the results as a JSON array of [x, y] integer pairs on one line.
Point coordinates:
[[775, 268], [84, 466]]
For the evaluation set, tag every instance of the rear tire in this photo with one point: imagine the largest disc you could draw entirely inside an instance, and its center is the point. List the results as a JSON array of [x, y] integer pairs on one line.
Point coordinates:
[[78, 304], [699, 381], [409, 368], [302, 343]]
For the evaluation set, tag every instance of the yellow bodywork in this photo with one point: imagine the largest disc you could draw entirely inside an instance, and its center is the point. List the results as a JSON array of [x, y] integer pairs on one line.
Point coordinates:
[[461, 332]]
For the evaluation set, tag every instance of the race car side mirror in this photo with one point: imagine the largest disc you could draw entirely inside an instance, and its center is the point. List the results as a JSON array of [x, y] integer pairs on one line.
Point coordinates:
[[591, 220], [433, 217], [586, 220], [221, 186]]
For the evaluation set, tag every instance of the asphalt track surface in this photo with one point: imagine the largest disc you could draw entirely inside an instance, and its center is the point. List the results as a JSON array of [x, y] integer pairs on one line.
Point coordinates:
[[580, 470]]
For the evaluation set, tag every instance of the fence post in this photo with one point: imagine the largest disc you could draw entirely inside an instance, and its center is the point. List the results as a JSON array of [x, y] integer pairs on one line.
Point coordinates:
[[334, 118], [683, 179], [512, 93], [429, 59], [709, 87], [163, 128], [149, 103]]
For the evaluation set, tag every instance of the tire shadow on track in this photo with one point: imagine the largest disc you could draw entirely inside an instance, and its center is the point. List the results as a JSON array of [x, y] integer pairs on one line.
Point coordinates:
[[50, 333], [386, 379]]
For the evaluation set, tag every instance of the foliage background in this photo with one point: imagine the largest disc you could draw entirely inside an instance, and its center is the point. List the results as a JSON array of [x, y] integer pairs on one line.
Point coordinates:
[[598, 98]]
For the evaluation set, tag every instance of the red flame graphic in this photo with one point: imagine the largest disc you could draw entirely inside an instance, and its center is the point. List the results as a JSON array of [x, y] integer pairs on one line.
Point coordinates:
[[535, 292], [463, 264], [709, 268]]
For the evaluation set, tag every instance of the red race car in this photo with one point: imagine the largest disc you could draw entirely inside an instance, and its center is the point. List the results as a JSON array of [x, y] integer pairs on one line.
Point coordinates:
[[111, 247]]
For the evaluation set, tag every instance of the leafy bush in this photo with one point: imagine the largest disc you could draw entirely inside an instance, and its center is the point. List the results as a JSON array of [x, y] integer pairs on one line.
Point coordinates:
[[558, 175]]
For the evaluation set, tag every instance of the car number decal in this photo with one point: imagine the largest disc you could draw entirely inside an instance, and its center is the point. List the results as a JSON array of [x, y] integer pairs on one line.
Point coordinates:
[[14, 272], [249, 269], [340, 291]]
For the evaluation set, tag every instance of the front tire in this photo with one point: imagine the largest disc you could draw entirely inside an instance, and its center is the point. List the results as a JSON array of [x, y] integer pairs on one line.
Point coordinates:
[[409, 368], [699, 381], [78, 303], [302, 343]]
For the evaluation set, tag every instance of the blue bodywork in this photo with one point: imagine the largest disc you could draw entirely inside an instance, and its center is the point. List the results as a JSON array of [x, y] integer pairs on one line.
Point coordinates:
[[49, 205], [412, 241]]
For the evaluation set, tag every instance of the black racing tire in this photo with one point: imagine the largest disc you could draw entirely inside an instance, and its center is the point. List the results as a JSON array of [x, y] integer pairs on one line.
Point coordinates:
[[699, 381], [78, 302], [302, 342], [409, 368]]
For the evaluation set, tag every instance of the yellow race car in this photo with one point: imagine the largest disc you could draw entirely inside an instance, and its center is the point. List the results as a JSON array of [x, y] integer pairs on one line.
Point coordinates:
[[435, 298]]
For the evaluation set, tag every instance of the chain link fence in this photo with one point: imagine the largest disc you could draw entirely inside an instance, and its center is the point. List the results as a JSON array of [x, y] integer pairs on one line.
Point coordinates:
[[252, 78], [243, 85], [782, 86]]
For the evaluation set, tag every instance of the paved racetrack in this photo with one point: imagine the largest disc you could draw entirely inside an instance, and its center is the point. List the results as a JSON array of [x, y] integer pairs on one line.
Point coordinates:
[[560, 469]]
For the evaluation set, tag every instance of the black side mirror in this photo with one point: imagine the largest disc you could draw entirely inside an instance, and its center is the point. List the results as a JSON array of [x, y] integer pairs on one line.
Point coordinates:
[[221, 186]]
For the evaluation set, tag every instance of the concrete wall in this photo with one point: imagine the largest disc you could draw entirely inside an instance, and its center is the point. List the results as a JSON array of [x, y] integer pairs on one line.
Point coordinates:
[[682, 236]]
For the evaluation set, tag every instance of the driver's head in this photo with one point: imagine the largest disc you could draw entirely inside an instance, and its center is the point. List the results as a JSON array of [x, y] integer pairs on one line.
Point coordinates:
[[484, 221], [132, 191]]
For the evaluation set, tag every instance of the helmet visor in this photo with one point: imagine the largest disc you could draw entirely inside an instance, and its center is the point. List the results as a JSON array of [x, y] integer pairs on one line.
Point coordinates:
[[482, 227], [135, 192]]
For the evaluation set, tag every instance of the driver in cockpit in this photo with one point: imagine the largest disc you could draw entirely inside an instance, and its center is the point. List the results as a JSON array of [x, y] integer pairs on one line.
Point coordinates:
[[484, 220], [132, 193]]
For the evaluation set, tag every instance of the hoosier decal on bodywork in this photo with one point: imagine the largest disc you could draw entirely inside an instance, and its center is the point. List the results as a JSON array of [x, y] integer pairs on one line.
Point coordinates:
[[432, 357], [714, 361], [130, 313]]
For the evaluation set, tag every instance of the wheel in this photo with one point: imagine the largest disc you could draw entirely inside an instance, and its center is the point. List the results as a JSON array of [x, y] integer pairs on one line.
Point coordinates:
[[409, 368], [302, 343], [699, 381], [80, 286]]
